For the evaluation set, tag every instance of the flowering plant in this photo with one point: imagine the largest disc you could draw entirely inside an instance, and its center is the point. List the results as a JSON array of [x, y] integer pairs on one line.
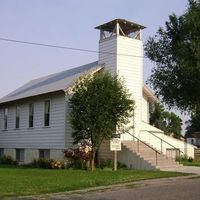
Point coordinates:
[[79, 156], [56, 164]]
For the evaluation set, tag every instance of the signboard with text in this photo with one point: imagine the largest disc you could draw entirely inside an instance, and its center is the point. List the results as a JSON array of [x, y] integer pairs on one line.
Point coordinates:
[[115, 144]]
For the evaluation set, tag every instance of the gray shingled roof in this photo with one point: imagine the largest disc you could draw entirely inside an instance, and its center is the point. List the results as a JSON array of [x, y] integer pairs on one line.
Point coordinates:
[[55, 82]]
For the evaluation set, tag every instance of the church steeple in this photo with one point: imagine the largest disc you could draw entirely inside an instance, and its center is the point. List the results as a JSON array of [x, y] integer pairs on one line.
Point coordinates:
[[121, 52], [120, 27]]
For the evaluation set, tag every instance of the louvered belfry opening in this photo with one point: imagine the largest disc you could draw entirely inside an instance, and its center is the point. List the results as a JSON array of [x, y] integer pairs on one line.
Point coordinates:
[[120, 27]]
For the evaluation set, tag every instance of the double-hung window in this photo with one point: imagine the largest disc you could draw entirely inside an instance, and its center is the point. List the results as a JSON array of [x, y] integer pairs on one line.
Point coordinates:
[[20, 155], [44, 153], [31, 115], [5, 119], [47, 113], [17, 119]]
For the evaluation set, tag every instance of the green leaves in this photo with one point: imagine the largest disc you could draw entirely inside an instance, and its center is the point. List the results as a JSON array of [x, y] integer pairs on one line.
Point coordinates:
[[169, 122], [99, 104], [176, 51], [193, 125]]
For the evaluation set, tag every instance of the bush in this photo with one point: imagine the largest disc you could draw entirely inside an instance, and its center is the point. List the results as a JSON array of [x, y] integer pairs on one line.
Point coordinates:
[[182, 158], [47, 164], [110, 164], [121, 166], [41, 163], [190, 159], [78, 157], [186, 159], [56, 164], [8, 160], [105, 163]]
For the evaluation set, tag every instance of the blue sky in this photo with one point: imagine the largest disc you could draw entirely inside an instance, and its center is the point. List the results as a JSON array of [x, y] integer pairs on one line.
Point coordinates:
[[66, 23]]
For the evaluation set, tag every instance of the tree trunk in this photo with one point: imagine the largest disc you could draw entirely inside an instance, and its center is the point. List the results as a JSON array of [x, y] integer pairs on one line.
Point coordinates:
[[92, 160]]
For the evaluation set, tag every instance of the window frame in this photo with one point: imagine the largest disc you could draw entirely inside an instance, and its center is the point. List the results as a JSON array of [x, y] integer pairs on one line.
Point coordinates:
[[5, 118], [48, 114], [44, 153], [19, 155], [17, 117], [31, 115]]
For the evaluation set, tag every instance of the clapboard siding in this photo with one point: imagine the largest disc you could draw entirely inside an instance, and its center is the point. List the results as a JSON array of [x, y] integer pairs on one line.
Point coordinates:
[[127, 67], [108, 45], [145, 110], [131, 69], [68, 129], [38, 136], [1, 119]]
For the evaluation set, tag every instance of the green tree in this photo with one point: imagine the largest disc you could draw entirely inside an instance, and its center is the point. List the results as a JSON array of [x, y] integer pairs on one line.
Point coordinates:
[[193, 125], [156, 115], [100, 106], [176, 51], [173, 124], [169, 122]]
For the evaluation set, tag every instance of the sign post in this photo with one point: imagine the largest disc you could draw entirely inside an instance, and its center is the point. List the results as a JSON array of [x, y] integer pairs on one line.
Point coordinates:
[[115, 145]]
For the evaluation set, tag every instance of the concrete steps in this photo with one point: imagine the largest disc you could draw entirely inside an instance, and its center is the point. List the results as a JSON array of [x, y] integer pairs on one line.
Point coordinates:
[[148, 154]]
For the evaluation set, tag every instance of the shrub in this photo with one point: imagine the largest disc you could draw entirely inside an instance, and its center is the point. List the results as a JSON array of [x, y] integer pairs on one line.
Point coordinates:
[[78, 157], [109, 163], [56, 164], [190, 159], [121, 165], [8, 160], [41, 163], [186, 159], [182, 158], [48, 164]]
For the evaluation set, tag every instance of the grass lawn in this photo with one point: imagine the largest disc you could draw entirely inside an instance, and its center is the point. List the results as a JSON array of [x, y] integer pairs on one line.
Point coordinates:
[[15, 181], [194, 163]]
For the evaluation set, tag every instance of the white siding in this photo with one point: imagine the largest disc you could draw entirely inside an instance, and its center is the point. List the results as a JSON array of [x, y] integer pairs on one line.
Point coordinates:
[[155, 142], [130, 68], [51, 137], [145, 110], [127, 67], [108, 45], [68, 129], [1, 119]]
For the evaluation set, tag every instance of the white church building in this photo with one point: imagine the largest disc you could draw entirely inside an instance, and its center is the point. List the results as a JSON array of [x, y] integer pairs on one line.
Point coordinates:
[[34, 119]]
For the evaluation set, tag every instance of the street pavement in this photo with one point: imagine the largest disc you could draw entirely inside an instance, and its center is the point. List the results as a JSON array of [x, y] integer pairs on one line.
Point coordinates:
[[185, 189]]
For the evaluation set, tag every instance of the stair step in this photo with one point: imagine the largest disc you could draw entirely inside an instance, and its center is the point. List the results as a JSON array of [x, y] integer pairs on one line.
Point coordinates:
[[149, 155]]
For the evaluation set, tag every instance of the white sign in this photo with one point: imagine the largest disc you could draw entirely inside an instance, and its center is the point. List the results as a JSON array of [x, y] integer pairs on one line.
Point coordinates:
[[115, 144]]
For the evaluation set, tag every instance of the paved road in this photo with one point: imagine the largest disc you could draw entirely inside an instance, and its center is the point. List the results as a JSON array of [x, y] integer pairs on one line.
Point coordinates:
[[181, 188]]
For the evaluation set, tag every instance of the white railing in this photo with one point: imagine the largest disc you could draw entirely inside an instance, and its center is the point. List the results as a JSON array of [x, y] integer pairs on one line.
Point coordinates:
[[164, 143]]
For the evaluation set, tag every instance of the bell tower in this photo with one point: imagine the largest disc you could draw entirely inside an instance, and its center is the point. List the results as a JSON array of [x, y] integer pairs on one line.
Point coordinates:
[[121, 50]]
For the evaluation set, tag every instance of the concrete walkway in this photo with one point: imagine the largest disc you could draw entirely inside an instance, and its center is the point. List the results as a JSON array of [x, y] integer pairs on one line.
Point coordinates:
[[185, 169]]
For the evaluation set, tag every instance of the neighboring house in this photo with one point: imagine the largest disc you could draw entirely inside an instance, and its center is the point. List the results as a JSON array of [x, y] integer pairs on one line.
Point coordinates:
[[34, 119], [193, 139]]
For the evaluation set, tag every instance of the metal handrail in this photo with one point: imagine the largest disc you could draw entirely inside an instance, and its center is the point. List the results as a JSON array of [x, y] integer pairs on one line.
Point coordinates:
[[138, 140], [151, 132]]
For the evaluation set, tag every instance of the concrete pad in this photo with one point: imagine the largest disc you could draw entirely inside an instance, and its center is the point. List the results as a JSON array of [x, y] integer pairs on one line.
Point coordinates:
[[185, 169]]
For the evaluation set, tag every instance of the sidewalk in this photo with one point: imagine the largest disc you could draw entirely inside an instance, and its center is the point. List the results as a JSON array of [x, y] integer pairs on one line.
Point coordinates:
[[186, 169]]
